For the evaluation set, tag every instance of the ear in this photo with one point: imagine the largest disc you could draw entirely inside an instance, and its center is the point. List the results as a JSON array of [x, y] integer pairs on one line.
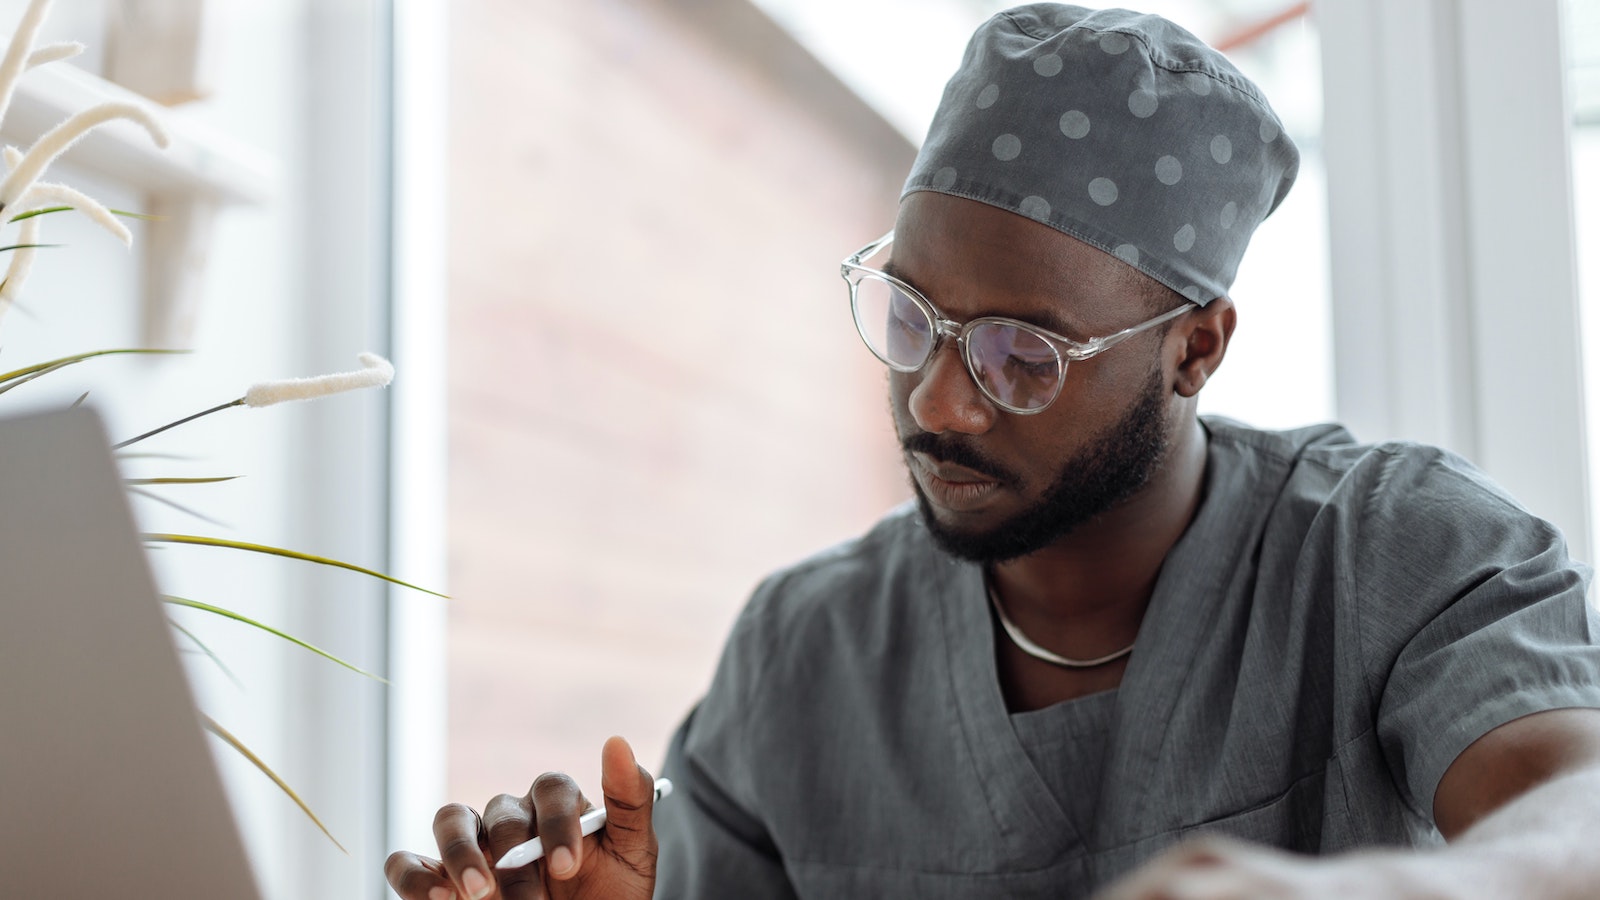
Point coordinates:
[[1202, 338]]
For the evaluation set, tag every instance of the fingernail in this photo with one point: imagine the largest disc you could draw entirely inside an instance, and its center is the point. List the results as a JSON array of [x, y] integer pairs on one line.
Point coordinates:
[[478, 887], [560, 861], [440, 892]]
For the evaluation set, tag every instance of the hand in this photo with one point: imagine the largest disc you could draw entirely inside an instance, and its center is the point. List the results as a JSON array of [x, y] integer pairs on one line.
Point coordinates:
[[617, 863], [1218, 868]]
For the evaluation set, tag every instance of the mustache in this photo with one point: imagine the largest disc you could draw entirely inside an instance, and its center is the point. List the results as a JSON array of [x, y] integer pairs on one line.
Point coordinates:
[[953, 449]]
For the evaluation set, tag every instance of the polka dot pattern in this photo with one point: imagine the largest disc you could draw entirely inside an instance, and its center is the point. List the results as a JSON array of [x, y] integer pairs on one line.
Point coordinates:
[[1074, 124], [1221, 149], [1184, 239], [1143, 103], [1077, 118], [1169, 171]]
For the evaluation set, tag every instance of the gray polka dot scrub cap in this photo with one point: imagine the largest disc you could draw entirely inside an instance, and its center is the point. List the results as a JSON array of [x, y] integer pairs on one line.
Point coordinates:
[[1120, 129]]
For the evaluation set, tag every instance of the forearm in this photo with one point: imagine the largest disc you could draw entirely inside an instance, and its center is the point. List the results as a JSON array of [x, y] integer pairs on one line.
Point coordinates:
[[1539, 846]]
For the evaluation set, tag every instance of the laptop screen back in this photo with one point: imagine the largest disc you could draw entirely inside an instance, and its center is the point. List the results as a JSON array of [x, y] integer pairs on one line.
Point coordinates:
[[107, 785]]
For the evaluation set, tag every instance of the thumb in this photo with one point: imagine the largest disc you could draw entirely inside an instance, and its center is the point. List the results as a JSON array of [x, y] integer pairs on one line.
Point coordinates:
[[629, 796]]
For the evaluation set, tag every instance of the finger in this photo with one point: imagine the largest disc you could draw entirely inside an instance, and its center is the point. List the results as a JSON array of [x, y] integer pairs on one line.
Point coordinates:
[[416, 877], [507, 821], [630, 797], [459, 832], [557, 804]]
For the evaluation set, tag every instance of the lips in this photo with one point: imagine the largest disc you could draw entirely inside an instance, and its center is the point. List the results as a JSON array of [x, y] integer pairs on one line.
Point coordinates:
[[953, 487]]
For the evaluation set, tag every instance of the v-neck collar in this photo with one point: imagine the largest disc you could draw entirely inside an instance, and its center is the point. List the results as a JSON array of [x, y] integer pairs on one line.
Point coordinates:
[[1181, 613]]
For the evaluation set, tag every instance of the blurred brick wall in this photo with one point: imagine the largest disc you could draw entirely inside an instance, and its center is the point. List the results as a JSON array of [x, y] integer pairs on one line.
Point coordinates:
[[656, 394]]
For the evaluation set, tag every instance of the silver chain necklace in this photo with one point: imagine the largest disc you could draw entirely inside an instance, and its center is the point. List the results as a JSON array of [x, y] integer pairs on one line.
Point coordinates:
[[1038, 652]]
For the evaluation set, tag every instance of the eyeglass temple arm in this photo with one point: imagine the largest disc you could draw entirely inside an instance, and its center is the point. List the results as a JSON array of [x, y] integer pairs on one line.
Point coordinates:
[[865, 252], [1099, 345]]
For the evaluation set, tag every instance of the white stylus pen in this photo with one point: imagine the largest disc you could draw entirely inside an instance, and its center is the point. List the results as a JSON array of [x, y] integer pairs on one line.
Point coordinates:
[[590, 822]]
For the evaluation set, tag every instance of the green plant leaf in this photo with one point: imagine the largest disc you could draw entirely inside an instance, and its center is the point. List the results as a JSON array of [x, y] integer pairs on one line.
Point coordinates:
[[59, 209], [230, 614], [19, 382], [211, 480], [278, 551], [29, 247], [207, 651], [52, 365], [228, 738]]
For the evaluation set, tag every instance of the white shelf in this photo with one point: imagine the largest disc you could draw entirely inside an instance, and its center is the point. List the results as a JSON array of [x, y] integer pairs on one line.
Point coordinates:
[[201, 172], [199, 161]]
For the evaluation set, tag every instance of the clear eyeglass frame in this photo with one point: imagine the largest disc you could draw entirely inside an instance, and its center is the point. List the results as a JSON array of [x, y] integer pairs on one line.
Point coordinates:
[[1066, 349]]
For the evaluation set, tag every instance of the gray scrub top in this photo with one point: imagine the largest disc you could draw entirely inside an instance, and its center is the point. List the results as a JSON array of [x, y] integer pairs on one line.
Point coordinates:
[[1335, 626]]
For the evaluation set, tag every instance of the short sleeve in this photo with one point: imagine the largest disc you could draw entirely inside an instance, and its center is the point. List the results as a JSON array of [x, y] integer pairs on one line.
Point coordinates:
[[711, 849], [1474, 615]]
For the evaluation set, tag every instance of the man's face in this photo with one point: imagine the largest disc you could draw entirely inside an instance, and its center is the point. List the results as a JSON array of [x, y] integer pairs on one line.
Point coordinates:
[[994, 485]]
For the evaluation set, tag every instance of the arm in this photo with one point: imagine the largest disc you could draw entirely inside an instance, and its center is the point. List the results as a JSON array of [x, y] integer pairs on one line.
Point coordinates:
[[1480, 650], [1521, 806]]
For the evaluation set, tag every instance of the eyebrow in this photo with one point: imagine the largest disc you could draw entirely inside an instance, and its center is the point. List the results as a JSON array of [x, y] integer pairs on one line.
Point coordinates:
[[1050, 321]]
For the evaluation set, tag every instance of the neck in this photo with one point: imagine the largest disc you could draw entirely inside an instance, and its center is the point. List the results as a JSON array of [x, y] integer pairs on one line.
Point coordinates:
[[1086, 594]]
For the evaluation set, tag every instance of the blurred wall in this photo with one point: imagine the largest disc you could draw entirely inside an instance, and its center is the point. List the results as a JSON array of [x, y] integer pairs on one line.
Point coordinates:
[[656, 393]]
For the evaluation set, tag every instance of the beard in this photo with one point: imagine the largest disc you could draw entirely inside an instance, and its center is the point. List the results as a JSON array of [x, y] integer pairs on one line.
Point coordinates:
[[1112, 468]]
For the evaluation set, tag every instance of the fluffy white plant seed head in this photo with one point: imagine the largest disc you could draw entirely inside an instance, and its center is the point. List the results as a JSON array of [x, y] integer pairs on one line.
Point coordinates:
[[375, 371], [54, 53], [55, 141], [15, 62]]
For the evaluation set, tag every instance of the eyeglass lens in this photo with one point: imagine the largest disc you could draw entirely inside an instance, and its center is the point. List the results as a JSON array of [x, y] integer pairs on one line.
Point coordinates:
[[1013, 365]]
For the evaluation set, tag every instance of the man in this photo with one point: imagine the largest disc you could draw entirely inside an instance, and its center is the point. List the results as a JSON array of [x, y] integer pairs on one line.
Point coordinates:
[[1114, 647]]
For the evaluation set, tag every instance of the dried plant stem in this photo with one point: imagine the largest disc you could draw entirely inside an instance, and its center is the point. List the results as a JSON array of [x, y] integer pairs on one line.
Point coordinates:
[[183, 421]]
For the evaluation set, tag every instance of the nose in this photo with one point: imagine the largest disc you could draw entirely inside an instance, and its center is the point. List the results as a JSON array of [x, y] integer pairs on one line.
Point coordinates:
[[946, 398]]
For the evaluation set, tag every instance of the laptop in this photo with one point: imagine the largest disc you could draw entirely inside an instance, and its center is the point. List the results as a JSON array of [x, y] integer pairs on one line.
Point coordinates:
[[107, 784]]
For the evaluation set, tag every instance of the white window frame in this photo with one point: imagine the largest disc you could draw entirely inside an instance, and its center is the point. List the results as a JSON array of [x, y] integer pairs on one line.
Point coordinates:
[[1453, 260], [417, 718]]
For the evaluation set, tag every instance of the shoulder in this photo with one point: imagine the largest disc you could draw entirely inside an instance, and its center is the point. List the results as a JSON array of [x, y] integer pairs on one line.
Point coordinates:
[[850, 589], [836, 637], [1325, 466]]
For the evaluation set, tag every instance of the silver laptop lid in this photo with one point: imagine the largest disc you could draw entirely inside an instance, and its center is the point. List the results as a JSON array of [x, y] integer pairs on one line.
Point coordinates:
[[106, 782]]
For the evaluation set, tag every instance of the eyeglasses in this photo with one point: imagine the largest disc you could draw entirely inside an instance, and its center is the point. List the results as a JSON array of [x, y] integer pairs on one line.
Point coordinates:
[[1018, 366]]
